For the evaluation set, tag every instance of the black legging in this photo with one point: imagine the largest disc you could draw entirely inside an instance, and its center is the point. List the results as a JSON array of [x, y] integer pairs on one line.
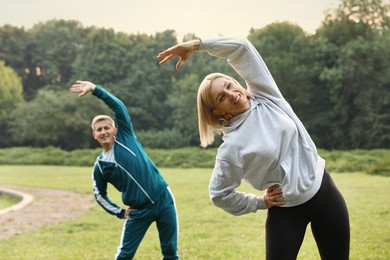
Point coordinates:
[[328, 215]]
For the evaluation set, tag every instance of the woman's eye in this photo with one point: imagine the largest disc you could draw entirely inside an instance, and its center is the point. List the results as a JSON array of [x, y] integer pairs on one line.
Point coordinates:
[[228, 85]]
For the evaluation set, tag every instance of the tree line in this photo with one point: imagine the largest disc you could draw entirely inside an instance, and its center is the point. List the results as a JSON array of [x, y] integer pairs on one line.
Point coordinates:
[[337, 80]]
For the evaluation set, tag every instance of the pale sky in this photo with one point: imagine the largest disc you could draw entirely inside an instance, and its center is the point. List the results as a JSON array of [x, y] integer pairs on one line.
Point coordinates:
[[205, 18]]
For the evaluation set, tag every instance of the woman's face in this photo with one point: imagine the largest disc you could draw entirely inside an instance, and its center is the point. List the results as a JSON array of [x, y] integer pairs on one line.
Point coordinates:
[[229, 97]]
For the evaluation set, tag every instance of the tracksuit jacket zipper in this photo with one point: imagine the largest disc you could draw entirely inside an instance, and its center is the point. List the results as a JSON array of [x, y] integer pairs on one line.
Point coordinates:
[[126, 171]]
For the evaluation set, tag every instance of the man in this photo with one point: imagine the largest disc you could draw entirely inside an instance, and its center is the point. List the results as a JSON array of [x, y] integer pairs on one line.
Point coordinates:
[[125, 164]]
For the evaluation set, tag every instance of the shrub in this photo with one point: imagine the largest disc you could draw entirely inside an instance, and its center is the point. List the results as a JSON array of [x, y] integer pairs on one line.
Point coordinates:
[[368, 161], [164, 139]]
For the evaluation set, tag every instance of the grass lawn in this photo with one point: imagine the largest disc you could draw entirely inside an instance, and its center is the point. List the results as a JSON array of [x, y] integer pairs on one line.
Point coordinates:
[[206, 232], [7, 201]]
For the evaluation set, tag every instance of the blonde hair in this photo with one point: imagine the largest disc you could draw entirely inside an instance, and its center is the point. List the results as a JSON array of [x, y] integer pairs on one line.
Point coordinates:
[[102, 118], [208, 123]]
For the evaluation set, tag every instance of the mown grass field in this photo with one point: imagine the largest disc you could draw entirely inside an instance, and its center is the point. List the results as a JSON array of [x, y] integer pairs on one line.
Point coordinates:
[[7, 201], [206, 232]]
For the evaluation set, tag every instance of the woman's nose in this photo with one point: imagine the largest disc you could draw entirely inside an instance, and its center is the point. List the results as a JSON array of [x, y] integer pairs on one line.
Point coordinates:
[[230, 94]]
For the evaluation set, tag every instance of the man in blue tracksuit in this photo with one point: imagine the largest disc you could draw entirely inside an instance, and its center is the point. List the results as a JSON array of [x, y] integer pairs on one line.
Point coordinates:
[[125, 164]]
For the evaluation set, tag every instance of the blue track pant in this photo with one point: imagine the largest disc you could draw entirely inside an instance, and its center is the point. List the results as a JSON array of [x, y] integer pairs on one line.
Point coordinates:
[[163, 212]]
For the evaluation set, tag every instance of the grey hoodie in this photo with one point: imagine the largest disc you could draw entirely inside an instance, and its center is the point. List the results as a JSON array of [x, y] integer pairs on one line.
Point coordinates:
[[266, 145]]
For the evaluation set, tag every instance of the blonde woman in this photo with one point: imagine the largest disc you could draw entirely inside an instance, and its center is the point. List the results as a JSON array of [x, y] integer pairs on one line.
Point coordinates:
[[266, 145]]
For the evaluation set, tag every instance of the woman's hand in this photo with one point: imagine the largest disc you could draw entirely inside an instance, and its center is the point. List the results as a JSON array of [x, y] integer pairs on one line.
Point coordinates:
[[273, 196], [183, 50], [82, 87]]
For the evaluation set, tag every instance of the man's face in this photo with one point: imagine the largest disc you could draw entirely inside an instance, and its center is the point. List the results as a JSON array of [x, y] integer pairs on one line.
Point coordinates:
[[104, 132]]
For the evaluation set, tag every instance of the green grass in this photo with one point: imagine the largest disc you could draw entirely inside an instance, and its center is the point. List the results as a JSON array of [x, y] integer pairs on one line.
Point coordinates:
[[206, 232], [7, 201]]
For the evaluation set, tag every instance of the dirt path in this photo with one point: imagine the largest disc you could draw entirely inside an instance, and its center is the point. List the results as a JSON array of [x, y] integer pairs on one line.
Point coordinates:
[[49, 207]]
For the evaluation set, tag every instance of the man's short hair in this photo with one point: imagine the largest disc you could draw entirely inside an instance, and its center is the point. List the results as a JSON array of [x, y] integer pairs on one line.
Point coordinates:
[[102, 118]]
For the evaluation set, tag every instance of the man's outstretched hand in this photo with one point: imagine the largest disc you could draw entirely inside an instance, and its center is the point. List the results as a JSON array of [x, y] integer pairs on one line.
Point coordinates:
[[82, 87]]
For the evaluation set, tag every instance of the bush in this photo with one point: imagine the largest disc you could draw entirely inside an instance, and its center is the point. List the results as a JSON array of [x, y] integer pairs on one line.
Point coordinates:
[[190, 157], [368, 161], [47, 156], [164, 139]]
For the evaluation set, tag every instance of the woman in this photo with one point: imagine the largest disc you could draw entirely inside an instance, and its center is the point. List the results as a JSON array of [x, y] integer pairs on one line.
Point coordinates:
[[265, 144]]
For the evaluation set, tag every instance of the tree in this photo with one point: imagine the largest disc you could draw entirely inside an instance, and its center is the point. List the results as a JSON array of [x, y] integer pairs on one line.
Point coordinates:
[[55, 118], [184, 111], [104, 57], [13, 43], [359, 86], [50, 53], [373, 13], [11, 93], [354, 74], [128, 67]]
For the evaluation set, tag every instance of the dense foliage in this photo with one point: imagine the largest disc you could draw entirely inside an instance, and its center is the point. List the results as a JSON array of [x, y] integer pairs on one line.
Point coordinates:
[[337, 80]]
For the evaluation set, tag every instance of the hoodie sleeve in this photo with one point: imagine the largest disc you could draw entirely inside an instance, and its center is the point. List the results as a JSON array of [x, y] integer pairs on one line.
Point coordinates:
[[225, 179], [100, 193], [246, 61]]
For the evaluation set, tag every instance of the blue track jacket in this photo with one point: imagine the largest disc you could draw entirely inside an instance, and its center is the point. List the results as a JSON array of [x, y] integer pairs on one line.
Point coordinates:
[[133, 173]]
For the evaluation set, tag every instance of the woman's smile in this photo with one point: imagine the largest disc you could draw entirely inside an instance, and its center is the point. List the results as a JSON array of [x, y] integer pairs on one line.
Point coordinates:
[[229, 97]]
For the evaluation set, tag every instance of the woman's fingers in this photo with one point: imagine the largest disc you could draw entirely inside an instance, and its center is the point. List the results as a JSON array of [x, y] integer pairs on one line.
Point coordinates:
[[180, 63], [183, 51], [165, 59], [274, 196]]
